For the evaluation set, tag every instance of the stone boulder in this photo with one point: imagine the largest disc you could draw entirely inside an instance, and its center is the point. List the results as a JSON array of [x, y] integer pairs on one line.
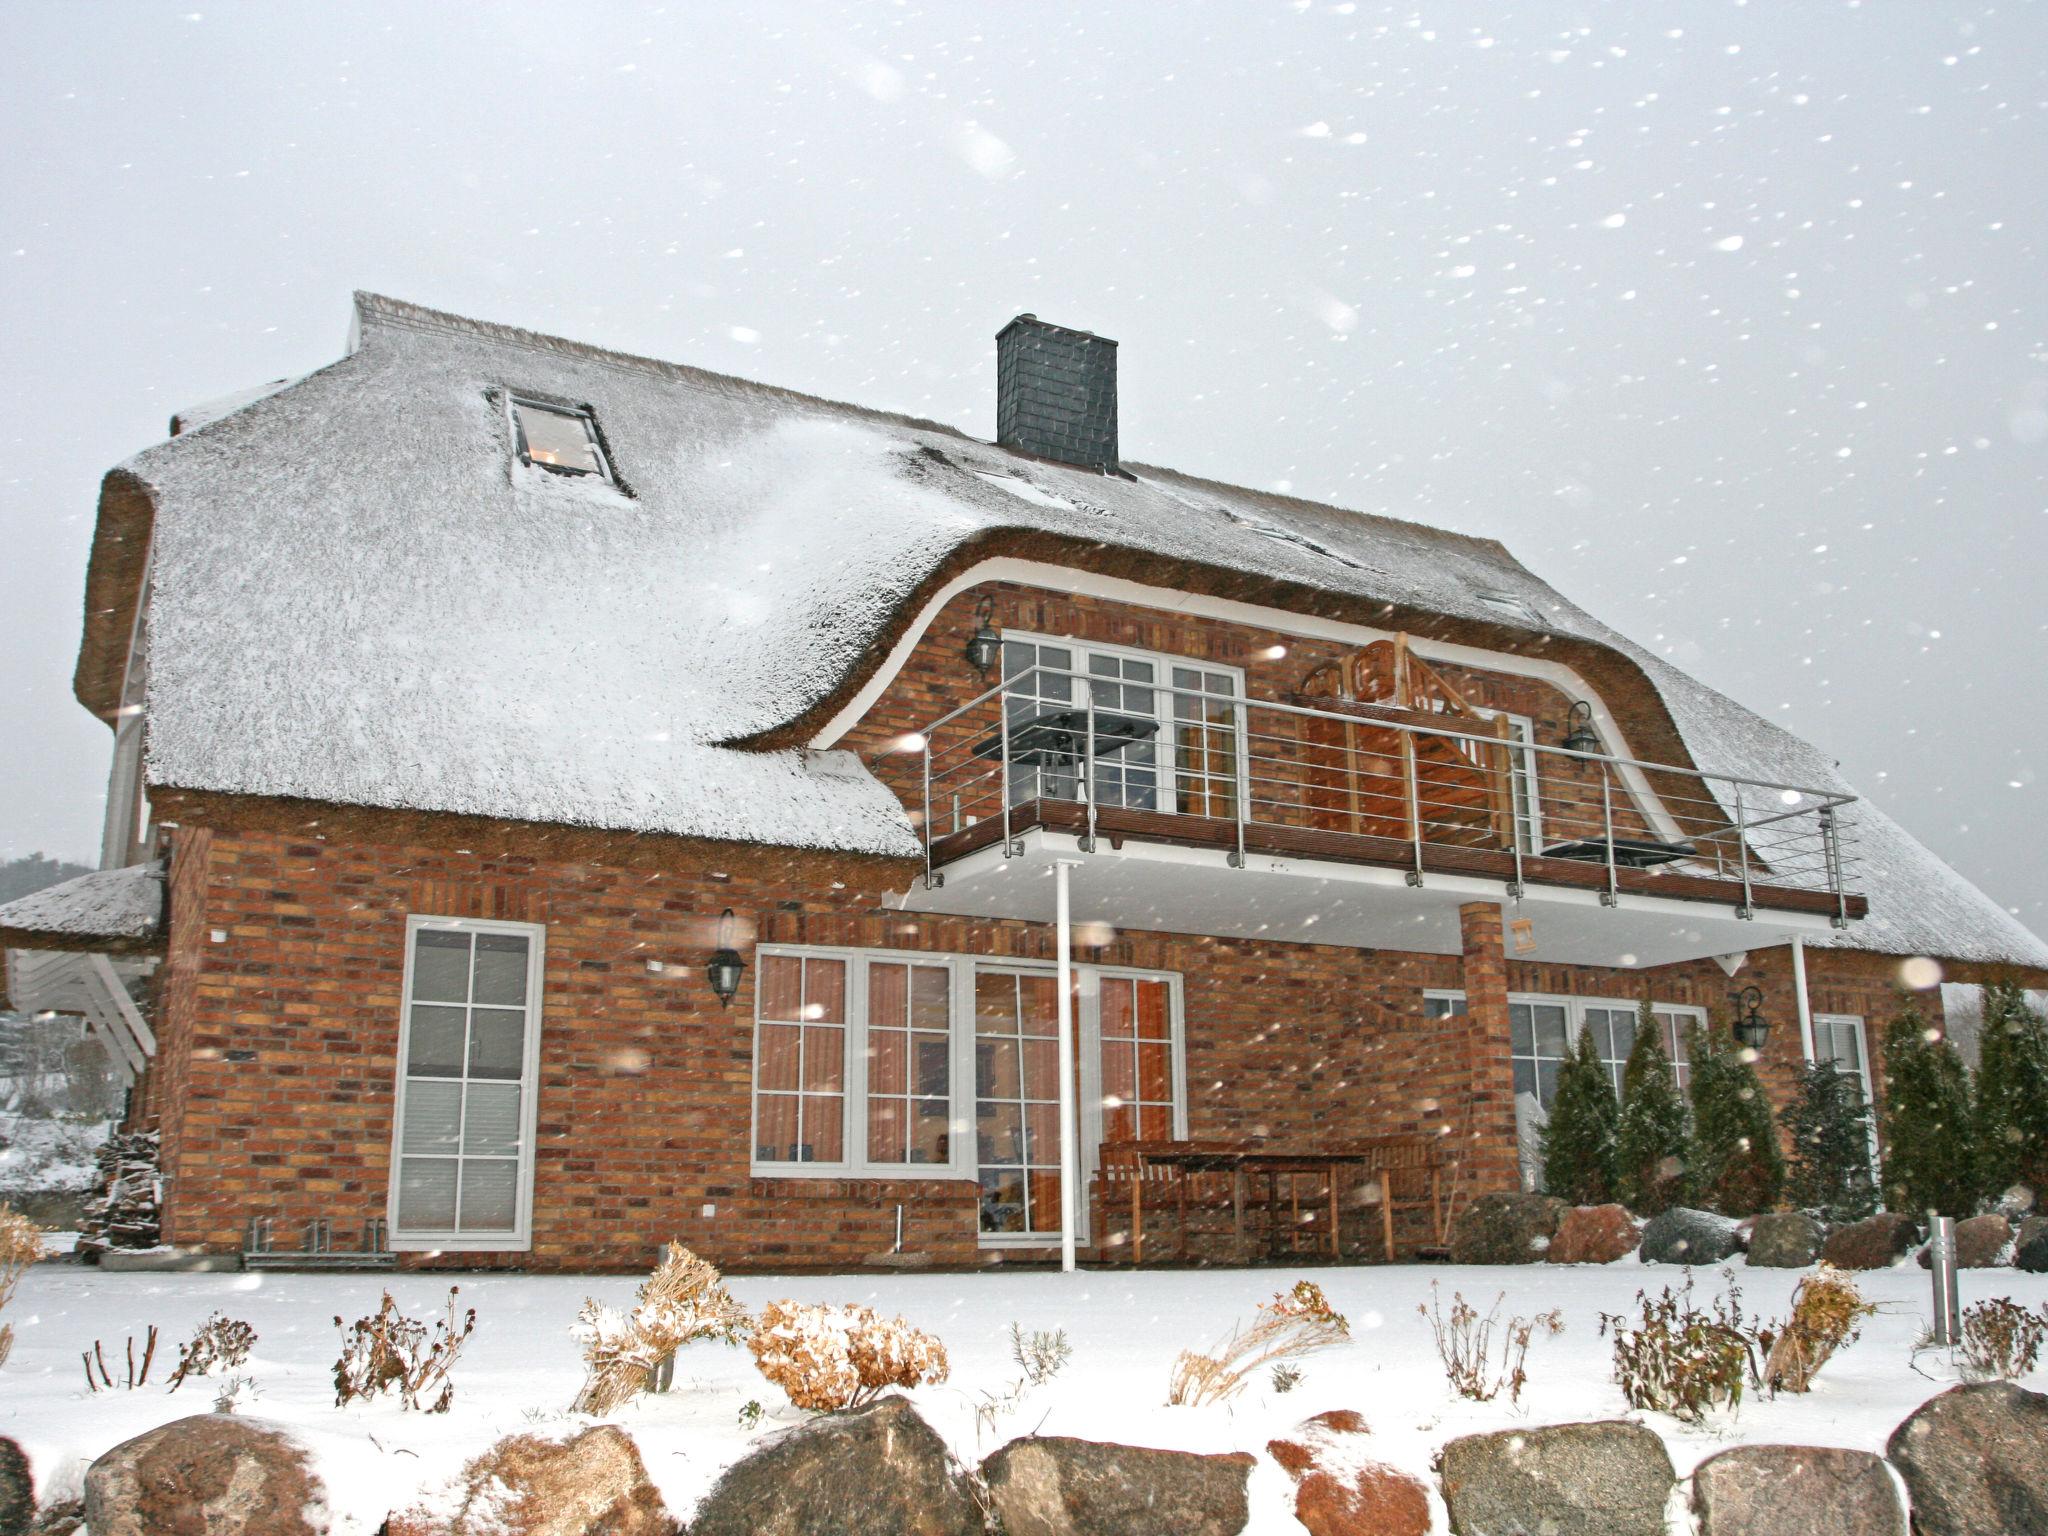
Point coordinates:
[[525, 1485], [1784, 1240], [1609, 1478], [17, 1490], [1594, 1234], [1975, 1459], [1053, 1486], [878, 1470], [1339, 1490], [1795, 1490], [1505, 1228], [1981, 1242], [1682, 1235], [1877, 1242], [209, 1475], [2030, 1246]]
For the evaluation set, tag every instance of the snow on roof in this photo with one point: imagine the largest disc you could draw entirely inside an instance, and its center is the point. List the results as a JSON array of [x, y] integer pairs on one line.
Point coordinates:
[[360, 595], [207, 412], [107, 904]]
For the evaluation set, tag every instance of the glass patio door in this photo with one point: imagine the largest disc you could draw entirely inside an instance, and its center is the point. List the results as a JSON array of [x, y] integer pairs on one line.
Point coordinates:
[[1016, 1101]]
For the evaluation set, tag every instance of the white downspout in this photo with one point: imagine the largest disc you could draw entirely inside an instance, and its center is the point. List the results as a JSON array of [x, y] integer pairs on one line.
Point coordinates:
[[1064, 952], [1799, 995]]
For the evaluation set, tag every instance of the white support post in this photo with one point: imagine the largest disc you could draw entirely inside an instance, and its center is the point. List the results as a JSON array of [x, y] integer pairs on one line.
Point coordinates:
[[1800, 997], [1069, 1154]]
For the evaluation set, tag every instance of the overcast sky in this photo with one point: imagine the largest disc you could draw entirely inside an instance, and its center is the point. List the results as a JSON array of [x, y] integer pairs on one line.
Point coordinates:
[[1732, 321]]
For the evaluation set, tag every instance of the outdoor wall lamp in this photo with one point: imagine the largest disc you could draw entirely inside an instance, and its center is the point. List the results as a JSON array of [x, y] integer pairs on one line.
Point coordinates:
[[1578, 729], [985, 646], [1751, 1027], [724, 969]]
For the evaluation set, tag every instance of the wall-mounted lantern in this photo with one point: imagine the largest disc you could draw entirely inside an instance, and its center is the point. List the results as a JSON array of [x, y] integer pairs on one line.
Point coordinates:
[[1751, 1027], [985, 646], [1578, 729], [725, 967]]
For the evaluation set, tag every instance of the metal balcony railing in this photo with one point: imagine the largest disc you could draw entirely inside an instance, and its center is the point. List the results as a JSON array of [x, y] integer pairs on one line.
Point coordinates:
[[1363, 781]]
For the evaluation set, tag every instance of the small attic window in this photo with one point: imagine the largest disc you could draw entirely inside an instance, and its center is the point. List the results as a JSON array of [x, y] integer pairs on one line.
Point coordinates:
[[558, 438], [1510, 605]]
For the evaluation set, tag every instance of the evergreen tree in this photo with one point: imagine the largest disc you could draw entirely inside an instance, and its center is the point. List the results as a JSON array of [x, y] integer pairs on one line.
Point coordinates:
[[1930, 1160], [1830, 1131], [1653, 1147], [2012, 1094], [1738, 1169], [1579, 1141]]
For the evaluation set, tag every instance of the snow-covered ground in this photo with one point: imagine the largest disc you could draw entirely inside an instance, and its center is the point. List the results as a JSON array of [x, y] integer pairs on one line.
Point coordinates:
[[47, 1154], [521, 1369]]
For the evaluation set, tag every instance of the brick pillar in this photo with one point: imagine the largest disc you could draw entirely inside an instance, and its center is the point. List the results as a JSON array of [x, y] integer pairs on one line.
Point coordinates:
[[1488, 1138]]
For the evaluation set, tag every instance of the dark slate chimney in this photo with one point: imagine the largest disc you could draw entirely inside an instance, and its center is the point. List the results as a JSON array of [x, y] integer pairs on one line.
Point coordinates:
[[1056, 393]]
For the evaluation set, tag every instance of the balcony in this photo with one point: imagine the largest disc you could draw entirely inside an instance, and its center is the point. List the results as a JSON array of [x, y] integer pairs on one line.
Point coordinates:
[[1335, 820]]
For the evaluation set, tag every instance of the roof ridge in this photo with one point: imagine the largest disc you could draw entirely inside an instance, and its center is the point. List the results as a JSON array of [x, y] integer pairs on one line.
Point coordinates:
[[378, 308]]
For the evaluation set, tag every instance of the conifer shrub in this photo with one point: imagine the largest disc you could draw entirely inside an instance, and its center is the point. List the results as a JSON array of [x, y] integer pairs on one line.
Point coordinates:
[[1653, 1140], [1829, 1126], [1579, 1142], [2012, 1094], [1930, 1156], [1739, 1170]]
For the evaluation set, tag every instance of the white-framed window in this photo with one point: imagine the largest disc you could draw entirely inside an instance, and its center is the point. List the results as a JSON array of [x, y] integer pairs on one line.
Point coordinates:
[[468, 1069], [895, 1064], [560, 438], [1524, 785], [1544, 1031], [1839, 1038], [1167, 729]]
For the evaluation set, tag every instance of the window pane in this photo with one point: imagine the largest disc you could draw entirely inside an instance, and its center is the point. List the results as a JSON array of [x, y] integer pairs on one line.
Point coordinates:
[[775, 1134], [824, 1060], [1119, 1017], [825, 991], [887, 1131], [490, 1124], [997, 1075], [434, 1046], [931, 1132], [1155, 1083], [781, 987], [932, 1056], [433, 1118], [1042, 1133], [1040, 995], [1155, 1123], [1000, 1129], [558, 438], [931, 997], [1154, 1016], [490, 1196], [1119, 1073], [440, 966], [1546, 1082], [497, 1043], [888, 1070], [1002, 1200], [995, 1003], [1045, 1200], [1041, 1069], [778, 1060], [1120, 1121], [501, 969], [888, 996], [1521, 1030], [822, 1141], [1550, 1039], [426, 1194], [1525, 1077]]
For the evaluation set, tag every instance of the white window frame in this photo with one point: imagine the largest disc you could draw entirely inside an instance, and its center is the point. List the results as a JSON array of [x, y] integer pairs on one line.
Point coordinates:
[[1575, 1016], [1165, 765], [964, 1161], [1862, 1074], [583, 413], [520, 1238]]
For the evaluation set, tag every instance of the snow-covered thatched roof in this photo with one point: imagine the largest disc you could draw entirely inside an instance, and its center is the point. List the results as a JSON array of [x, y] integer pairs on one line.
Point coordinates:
[[109, 906], [360, 595]]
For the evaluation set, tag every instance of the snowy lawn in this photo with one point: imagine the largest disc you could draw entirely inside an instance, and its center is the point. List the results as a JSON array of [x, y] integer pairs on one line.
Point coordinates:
[[521, 1369]]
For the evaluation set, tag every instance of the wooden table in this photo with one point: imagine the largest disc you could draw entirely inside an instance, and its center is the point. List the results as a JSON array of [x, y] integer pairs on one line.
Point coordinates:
[[1247, 1162]]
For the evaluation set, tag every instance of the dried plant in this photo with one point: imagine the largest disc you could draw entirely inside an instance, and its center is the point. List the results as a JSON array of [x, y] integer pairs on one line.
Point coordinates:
[[1464, 1343], [2001, 1339], [388, 1351], [841, 1357], [1292, 1324], [234, 1392], [1680, 1360], [1286, 1377], [684, 1300], [1826, 1309], [20, 1246], [1040, 1356], [221, 1341], [96, 1358]]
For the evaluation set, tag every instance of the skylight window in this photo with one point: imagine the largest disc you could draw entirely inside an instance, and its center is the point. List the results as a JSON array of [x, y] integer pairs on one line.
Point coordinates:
[[558, 438], [1510, 605]]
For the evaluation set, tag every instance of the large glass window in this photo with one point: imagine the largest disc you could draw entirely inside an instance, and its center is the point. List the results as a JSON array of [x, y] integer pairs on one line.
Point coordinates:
[[1016, 1100], [1137, 1059], [800, 1060], [558, 438], [909, 1060], [468, 1048]]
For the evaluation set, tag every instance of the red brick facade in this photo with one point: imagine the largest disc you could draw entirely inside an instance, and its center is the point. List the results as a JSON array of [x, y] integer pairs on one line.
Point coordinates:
[[279, 1004]]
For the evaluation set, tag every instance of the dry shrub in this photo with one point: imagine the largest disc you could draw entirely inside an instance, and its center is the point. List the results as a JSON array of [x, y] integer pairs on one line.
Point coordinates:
[[685, 1299], [841, 1357], [2001, 1339], [1292, 1324], [1826, 1309], [220, 1342], [389, 1351], [1464, 1342], [20, 1246], [1680, 1360]]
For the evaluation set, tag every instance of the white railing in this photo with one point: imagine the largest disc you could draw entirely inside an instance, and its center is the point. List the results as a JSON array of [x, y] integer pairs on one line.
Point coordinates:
[[1388, 777]]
